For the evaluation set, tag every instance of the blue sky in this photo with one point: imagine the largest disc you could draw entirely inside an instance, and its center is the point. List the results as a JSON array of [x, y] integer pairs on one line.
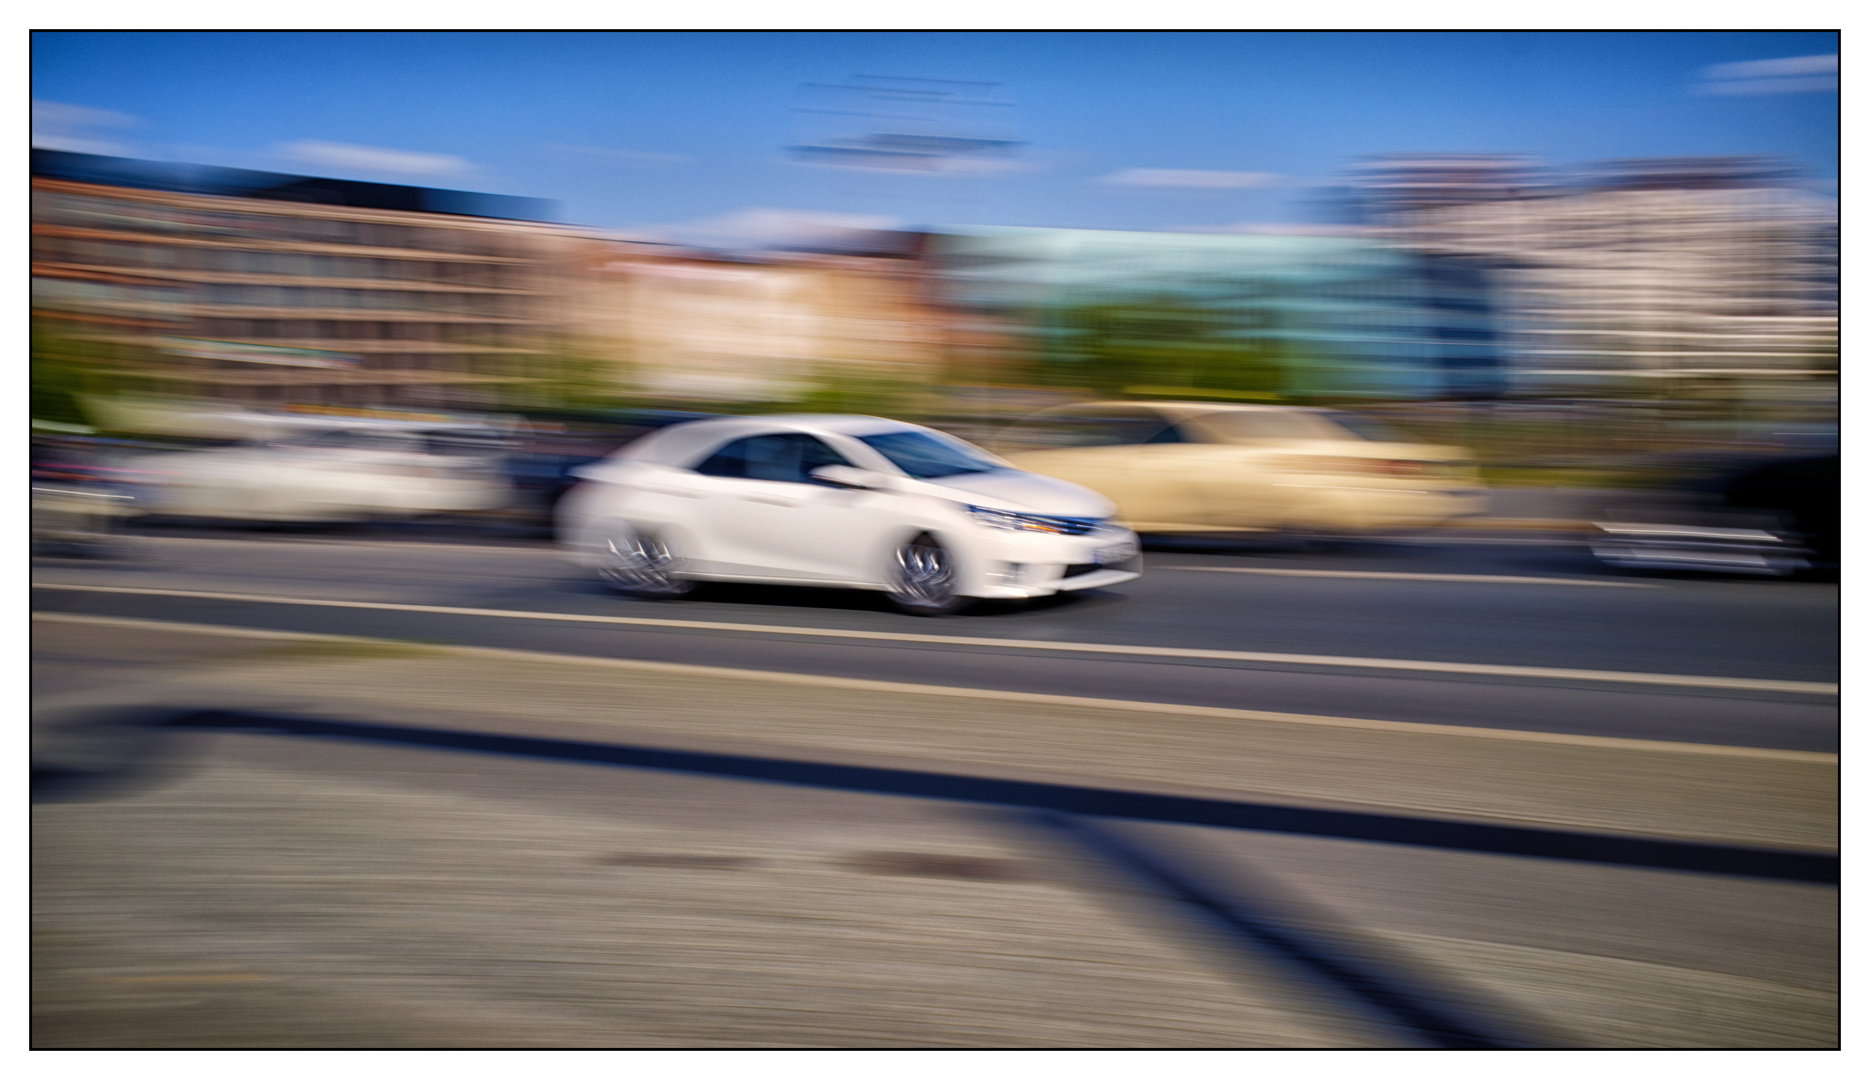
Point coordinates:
[[1116, 130]]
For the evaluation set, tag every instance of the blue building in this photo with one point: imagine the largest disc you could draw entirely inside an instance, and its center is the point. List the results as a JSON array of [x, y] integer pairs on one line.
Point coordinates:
[[1313, 315]]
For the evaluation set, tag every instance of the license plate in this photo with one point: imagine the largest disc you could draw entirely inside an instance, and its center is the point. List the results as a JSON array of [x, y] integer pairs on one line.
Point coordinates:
[[1115, 554]]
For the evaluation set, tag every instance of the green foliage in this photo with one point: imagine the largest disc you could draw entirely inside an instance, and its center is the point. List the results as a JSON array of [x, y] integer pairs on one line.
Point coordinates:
[[1108, 347], [66, 368], [571, 375], [843, 391]]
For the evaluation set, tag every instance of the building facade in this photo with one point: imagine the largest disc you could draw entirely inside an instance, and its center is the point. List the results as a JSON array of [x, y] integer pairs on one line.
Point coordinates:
[[264, 289], [1260, 316], [1679, 270], [681, 326]]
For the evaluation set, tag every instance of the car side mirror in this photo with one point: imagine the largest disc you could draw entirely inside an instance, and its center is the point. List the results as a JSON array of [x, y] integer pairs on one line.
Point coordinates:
[[846, 476]]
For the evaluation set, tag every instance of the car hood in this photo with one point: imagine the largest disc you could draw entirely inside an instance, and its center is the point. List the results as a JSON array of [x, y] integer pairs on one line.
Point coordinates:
[[1012, 489]]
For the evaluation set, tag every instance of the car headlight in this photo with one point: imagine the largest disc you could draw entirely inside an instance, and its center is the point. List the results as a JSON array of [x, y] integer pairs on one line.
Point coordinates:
[[1012, 522]]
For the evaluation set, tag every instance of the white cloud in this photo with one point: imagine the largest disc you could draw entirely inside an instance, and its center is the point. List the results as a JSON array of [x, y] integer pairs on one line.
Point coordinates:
[[1189, 178], [58, 126], [864, 159], [764, 227], [922, 165], [373, 159], [1765, 69], [1785, 75]]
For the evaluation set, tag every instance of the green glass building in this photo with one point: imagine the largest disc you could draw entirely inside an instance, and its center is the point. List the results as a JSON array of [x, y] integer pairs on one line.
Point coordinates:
[[1229, 316]]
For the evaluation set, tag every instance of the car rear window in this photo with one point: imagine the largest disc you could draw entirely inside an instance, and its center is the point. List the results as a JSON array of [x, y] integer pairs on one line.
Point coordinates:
[[1365, 428], [1244, 425]]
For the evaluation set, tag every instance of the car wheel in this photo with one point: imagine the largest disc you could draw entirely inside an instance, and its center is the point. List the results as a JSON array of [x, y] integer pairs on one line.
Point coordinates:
[[922, 578], [642, 565]]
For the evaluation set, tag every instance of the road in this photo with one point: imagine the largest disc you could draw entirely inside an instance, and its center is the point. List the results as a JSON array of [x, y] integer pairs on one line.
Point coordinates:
[[1403, 794], [1511, 606]]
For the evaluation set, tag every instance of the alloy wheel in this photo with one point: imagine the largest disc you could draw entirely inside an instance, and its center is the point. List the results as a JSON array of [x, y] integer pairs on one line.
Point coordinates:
[[925, 578], [642, 566]]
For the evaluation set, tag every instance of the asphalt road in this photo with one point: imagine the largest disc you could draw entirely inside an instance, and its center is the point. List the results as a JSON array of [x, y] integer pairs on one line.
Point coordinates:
[[1377, 797], [1729, 662]]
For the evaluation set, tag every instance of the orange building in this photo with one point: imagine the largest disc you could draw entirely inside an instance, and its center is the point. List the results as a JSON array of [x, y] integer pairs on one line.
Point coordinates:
[[266, 289]]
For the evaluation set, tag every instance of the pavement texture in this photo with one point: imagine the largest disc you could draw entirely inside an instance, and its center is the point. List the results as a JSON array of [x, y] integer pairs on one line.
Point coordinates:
[[260, 888]]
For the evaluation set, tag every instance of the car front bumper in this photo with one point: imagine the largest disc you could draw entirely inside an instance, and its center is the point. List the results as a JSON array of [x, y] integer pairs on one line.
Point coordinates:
[[1018, 566]]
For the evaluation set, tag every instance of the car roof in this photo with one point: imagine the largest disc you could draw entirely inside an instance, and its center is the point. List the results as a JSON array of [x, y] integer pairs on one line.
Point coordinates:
[[679, 444], [841, 423]]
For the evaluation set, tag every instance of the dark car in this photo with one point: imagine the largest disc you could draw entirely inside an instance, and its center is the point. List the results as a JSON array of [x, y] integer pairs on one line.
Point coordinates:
[[554, 444], [1776, 516]]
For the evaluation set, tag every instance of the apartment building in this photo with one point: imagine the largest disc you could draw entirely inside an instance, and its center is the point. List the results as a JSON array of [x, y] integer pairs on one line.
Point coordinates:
[[679, 325], [267, 289], [1677, 269]]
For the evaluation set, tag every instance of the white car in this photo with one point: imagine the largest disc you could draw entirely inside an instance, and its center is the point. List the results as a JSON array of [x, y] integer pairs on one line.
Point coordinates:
[[329, 471], [855, 502]]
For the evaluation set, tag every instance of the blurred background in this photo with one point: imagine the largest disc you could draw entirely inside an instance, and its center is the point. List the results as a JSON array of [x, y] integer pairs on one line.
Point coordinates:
[[298, 282], [1222, 217]]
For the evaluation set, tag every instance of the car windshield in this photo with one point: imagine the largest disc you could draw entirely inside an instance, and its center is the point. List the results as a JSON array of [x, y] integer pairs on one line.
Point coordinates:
[[1366, 428], [926, 457]]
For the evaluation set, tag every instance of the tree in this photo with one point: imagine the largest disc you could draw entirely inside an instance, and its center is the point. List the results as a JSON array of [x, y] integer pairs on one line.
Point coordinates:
[[65, 369], [1112, 346]]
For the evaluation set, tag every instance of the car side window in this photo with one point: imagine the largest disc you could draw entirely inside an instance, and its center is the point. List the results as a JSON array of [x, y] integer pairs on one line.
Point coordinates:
[[788, 458], [1073, 430], [814, 454], [729, 460]]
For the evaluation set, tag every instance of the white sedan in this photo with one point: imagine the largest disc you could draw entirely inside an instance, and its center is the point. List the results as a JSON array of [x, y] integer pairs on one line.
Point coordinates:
[[854, 502], [329, 471]]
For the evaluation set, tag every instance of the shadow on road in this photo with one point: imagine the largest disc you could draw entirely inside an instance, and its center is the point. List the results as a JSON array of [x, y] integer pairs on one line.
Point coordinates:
[[142, 752]]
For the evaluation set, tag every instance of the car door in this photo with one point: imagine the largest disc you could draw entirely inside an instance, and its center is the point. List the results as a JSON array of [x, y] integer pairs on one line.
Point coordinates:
[[764, 516], [1246, 480], [242, 483]]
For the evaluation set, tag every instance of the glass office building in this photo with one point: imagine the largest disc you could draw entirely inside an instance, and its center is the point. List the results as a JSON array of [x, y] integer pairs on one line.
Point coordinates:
[[1249, 317]]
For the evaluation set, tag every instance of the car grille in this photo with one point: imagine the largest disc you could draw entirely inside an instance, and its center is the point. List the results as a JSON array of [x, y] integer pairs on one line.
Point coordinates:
[[1069, 526], [1080, 569]]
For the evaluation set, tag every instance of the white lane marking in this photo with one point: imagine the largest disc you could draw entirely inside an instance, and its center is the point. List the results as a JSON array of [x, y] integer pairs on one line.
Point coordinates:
[[1389, 575], [839, 682], [1479, 540], [1645, 678]]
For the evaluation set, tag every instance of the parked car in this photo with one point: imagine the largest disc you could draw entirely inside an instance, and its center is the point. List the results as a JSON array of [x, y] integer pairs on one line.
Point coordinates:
[[1202, 467], [330, 470], [1773, 516], [78, 501], [854, 502]]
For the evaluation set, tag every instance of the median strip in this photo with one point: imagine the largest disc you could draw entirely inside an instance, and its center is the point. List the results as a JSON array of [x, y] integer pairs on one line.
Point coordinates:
[[1376, 663]]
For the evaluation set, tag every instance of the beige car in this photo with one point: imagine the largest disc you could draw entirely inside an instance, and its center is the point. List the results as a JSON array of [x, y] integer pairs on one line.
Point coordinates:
[[1193, 467]]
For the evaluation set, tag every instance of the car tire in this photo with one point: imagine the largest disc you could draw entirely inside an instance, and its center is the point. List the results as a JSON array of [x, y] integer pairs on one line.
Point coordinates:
[[923, 578], [642, 565]]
